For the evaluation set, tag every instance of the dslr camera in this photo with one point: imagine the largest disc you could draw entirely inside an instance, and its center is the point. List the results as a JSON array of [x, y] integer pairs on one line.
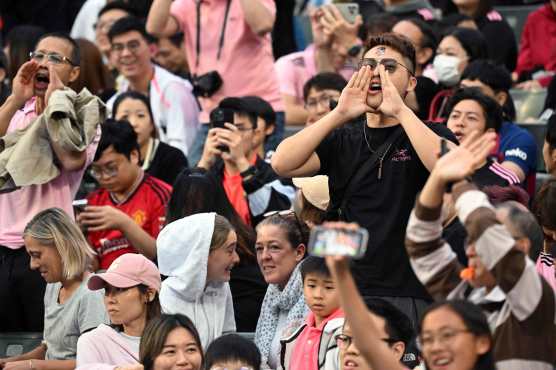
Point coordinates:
[[207, 84]]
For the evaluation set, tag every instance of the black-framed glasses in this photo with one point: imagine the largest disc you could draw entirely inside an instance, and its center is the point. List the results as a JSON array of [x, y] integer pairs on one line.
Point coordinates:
[[53, 58], [109, 170], [323, 100], [390, 64], [344, 341], [132, 46], [444, 337]]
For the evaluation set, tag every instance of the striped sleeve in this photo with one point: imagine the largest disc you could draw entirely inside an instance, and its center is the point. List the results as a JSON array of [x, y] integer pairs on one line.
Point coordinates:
[[545, 267], [432, 259], [514, 272]]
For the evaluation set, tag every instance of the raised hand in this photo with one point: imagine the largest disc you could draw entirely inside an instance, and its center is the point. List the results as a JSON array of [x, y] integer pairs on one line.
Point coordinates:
[[464, 159], [353, 101], [54, 84], [231, 137], [320, 39], [344, 32], [23, 83], [392, 102], [210, 150]]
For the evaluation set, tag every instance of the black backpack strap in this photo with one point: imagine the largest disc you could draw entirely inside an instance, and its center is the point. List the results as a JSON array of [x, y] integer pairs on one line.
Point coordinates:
[[367, 167]]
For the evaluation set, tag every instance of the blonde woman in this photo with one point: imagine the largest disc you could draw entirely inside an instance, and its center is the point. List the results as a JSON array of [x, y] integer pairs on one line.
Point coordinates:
[[61, 254]]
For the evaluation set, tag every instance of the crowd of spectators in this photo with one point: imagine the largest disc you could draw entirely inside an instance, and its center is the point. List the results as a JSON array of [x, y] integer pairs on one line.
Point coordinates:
[[165, 166]]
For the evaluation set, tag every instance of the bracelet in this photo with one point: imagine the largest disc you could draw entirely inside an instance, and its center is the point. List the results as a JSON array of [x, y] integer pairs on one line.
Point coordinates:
[[31, 367]]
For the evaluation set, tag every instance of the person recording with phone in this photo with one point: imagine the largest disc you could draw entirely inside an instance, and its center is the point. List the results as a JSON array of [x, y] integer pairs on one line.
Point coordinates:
[[336, 48], [228, 46], [251, 185]]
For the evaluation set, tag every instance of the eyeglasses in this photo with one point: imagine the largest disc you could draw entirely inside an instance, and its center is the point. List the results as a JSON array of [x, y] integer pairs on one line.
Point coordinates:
[[391, 65], [445, 337], [344, 341], [103, 26], [244, 129], [132, 46], [323, 100], [53, 58], [110, 170], [287, 215]]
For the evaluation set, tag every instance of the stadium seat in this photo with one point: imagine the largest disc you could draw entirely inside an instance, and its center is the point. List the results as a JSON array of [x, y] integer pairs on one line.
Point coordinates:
[[14, 344], [528, 104], [247, 335], [538, 131], [516, 16]]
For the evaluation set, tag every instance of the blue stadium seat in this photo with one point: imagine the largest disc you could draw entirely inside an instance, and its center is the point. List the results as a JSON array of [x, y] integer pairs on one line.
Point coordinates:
[[14, 344]]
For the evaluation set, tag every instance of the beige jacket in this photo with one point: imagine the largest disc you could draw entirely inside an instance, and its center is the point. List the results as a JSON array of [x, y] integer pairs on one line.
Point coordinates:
[[70, 120]]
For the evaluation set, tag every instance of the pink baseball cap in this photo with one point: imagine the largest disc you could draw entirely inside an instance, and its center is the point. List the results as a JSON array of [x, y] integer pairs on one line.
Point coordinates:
[[126, 271]]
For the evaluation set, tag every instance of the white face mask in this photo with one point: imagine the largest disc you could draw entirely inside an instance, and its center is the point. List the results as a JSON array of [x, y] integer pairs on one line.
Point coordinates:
[[446, 68]]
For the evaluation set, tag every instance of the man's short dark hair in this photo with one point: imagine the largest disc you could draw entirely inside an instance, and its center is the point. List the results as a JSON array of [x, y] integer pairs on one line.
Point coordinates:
[[397, 324], [119, 5], [75, 56], [324, 81], [494, 76], [129, 24], [491, 109], [238, 106], [176, 39], [120, 135], [261, 108], [399, 43], [314, 265], [429, 38]]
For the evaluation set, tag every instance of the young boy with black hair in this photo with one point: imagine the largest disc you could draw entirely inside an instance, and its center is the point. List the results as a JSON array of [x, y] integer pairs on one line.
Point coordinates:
[[126, 214], [392, 326], [312, 346]]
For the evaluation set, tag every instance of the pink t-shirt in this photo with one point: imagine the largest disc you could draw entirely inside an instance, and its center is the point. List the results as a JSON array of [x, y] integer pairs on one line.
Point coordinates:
[[305, 355], [246, 63], [18, 207], [295, 69]]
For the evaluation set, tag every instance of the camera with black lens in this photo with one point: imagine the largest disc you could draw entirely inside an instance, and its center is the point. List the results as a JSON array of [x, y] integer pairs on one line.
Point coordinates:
[[207, 84], [218, 117]]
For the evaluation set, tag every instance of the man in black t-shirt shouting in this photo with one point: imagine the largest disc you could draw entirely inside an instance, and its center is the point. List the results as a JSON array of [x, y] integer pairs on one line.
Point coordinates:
[[383, 195]]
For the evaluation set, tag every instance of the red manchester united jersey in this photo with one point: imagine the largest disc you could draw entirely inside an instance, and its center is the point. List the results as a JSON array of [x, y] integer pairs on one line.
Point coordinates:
[[146, 206]]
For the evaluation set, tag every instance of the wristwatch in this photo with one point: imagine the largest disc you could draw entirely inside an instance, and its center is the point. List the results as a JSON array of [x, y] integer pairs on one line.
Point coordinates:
[[354, 50], [251, 171]]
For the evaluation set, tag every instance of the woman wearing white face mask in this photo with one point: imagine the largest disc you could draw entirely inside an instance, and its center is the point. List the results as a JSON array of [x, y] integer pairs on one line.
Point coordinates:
[[456, 50]]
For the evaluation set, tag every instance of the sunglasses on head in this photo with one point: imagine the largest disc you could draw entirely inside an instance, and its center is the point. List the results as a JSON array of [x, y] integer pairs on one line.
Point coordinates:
[[390, 65]]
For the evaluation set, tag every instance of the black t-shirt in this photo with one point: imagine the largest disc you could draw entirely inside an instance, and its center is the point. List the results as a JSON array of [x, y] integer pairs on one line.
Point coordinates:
[[167, 163], [381, 206], [493, 173]]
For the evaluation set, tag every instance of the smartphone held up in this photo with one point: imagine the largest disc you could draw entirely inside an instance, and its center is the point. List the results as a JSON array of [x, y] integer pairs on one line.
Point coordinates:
[[332, 241]]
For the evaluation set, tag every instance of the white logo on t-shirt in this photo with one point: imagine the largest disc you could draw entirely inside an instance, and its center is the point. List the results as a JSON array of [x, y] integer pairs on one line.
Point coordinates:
[[516, 153]]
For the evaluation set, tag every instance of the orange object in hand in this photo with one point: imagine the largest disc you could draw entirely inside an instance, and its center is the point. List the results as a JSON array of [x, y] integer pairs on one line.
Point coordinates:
[[467, 273]]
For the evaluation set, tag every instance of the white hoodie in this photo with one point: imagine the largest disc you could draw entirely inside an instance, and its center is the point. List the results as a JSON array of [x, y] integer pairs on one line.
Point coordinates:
[[182, 252]]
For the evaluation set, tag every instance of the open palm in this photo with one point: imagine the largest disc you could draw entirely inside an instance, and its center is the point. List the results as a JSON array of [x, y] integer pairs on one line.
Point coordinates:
[[353, 101], [463, 160]]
